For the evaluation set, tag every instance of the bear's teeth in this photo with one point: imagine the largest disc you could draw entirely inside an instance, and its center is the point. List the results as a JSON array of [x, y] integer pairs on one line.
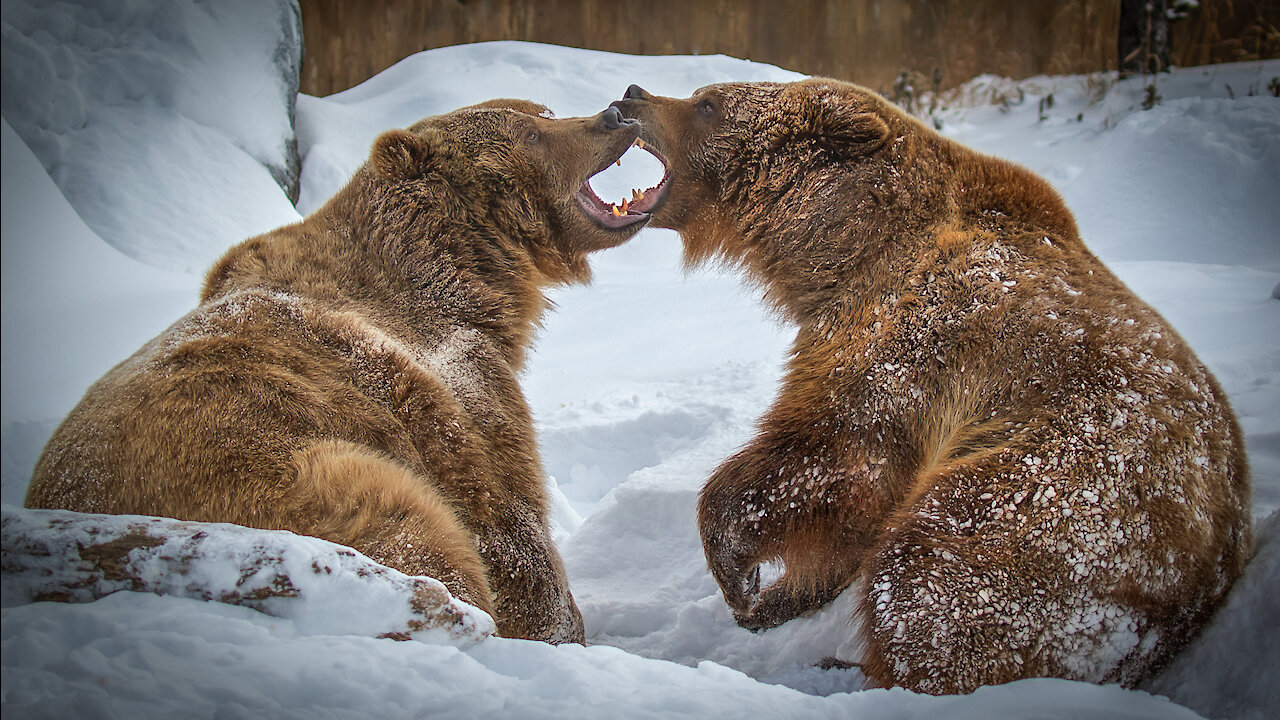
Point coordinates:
[[639, 142], [619, 162], [614, 209], [637, 194], [626, 205]]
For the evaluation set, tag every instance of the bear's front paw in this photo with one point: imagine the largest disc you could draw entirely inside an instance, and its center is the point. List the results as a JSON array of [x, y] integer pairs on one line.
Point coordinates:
[[740, 588], [731, 557], [769, 609], [742, 595], [782, 601]]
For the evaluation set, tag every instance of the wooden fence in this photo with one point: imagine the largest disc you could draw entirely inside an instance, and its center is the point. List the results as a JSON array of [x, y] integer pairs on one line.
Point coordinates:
[[867, 41]]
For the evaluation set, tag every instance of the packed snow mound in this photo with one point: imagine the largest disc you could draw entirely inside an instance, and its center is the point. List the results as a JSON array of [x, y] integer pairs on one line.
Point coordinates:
[[73, 306], [323, 588], [1206, 136], [167, 125]]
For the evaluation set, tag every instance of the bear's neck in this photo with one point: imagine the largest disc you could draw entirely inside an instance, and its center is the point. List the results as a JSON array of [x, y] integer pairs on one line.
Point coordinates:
[[845, 238], [424, 272], [841, 236]]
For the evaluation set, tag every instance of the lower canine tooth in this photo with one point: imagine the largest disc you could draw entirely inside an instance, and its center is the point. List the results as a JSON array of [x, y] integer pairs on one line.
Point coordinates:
[[614, 209]]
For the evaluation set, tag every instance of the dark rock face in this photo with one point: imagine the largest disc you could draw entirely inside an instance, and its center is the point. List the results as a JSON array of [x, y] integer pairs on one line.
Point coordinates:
[[288, 57]]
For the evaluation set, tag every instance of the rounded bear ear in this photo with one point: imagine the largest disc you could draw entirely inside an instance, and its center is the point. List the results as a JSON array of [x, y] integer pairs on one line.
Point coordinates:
[[840, 122], [404, 155], [855, 134], [525, 106]]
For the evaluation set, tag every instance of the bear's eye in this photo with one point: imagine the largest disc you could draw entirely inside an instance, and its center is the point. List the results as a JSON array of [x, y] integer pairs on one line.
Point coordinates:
[[707, 109], [532, 137]]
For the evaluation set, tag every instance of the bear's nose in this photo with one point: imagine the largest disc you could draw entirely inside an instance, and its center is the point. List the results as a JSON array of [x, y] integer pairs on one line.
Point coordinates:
[[612, 118], [634, 92]]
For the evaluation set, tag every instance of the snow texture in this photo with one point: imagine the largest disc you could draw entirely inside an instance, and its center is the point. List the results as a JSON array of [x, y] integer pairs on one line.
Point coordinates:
[[640, 383], [168, 125]]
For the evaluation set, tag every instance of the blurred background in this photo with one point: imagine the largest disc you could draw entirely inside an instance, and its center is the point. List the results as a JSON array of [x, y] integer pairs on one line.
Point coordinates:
[[888, 45]]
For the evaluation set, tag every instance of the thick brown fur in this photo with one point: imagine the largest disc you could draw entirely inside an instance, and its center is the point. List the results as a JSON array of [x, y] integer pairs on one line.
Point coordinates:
[[1027, 470], [354, 376]]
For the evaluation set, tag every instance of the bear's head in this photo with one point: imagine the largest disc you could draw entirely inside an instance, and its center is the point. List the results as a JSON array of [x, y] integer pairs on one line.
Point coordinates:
[[510, 171], [735, 148], [765, 173]]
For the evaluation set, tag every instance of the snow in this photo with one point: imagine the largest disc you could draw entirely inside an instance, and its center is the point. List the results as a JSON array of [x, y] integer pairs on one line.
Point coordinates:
[[136, 655], [156, 120], [73, 307], [640, 384]]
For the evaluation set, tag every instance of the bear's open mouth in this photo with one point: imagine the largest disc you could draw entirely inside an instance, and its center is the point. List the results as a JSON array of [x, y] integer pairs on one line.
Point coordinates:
[[635, 209]]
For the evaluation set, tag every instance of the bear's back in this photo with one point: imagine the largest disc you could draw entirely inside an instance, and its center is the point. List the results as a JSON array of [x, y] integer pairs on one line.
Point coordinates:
[[202, 423]]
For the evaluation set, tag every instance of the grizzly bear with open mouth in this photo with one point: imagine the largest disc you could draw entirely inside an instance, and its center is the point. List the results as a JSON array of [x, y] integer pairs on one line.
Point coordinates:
[[1026, 469], [354, 376]]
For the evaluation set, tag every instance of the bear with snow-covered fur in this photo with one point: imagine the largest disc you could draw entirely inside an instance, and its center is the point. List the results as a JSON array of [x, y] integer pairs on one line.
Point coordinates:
[[354, 376], [1026, 470]]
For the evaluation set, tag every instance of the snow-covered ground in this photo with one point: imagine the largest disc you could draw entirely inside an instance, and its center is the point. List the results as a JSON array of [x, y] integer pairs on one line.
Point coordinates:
[[640, 384]]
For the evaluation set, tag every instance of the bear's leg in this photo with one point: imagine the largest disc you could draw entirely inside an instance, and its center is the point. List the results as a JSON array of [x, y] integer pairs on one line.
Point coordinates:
[[531, 588], [771, 502], [945, 613], [352, 495], [1000, 570]]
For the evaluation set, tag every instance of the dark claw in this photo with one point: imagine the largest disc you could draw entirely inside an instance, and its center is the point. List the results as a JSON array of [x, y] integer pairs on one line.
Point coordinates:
[[748, 621]]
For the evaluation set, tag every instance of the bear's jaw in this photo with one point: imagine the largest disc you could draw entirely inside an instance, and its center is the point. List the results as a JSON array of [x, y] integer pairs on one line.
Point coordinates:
[[630, 211], [611, 217]]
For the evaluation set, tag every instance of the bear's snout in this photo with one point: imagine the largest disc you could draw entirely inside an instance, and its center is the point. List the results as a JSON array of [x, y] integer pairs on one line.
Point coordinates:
[[611, 119]]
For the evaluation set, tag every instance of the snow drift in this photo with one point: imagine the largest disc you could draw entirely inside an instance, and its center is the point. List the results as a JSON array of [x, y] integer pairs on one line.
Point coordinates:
[[166, 124]]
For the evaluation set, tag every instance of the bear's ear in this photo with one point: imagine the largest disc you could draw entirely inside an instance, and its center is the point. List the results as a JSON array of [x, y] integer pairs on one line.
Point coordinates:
[[404, 155], [841, 123], [527, 107]]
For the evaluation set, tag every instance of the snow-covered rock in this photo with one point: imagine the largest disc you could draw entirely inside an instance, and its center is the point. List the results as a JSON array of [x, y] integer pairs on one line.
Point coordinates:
[[323, 588]]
